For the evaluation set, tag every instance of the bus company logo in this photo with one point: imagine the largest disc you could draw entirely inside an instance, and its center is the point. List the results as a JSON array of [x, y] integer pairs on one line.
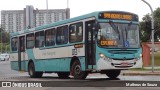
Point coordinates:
[[6, 84]]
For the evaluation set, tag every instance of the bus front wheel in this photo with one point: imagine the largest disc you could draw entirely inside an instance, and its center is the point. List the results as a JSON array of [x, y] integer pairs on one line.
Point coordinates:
[[113, 73], [77, 72], [32, 72]]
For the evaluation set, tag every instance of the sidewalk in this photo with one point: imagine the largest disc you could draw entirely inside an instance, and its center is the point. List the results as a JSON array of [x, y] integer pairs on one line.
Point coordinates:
[[139, 72]]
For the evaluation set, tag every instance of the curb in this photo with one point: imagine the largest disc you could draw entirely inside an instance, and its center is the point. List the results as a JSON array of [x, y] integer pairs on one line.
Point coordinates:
[[140, 74]]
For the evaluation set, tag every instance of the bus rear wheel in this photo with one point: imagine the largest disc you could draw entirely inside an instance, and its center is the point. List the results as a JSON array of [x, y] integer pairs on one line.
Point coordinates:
[[63, 75], [77, 72], [39, 74], [113, 73], [32, 72]]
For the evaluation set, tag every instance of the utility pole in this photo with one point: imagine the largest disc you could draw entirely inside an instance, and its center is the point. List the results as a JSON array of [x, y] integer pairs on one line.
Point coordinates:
[[67, 10], [67, 3], [1, 39], [152, 28], [47, 11]]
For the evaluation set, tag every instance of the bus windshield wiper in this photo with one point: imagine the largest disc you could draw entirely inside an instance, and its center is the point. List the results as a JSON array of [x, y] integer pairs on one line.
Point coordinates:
[[126, 33], [116, 29]]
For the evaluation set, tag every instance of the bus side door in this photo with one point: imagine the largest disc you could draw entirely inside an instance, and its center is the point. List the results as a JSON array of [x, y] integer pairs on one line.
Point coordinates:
[[21, 53], [90, 44]]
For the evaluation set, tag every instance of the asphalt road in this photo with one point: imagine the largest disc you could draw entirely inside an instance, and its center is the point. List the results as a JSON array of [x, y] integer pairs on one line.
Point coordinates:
[[92, 82], [7, 74]]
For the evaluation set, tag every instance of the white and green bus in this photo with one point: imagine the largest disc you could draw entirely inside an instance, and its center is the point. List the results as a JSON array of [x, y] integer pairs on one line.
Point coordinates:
[[104, 41]]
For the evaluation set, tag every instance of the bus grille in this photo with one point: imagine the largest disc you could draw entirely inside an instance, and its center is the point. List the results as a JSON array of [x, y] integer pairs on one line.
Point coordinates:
[[122, 51], [120, 66], [123, 59]]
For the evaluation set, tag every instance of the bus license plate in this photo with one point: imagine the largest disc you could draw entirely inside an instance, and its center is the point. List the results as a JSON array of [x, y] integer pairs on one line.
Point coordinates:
[[124, 64]]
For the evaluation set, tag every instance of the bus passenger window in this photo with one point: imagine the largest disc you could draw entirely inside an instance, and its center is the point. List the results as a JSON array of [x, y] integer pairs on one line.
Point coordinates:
[[14, 44], [39, 39], [50, 37], [76, 32], [73, 33], [62, 35], [30, 40], [36, 43]]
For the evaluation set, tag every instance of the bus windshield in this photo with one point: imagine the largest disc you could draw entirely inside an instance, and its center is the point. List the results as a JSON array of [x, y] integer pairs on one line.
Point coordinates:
[[118, 35]]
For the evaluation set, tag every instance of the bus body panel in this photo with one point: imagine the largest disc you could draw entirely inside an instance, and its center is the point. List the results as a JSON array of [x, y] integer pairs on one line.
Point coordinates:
[[47, 65], [14, 65], [14, 61], [24, 65], [106, 65], [114, 61], [48, 60]]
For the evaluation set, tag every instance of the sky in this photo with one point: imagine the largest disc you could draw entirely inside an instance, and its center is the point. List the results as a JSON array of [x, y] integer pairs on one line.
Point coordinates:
[[80, 7]]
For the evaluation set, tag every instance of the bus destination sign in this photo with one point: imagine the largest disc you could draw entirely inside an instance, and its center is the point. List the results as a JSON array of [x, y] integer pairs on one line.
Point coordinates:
[[118, 16]]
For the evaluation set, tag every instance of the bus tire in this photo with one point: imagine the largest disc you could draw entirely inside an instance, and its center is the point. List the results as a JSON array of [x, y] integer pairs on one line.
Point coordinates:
[[39, 74], [113, 73], [63, 75], [76, 71], [32, 72]]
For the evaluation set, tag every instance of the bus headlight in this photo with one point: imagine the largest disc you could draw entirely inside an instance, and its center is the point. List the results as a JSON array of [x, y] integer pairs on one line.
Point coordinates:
[[101, 55], [104, 57], [140, 55]]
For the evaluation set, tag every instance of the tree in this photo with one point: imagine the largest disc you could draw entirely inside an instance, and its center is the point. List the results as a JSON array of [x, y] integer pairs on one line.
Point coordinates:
[[4, 41], [4, 36], [145, 26], [157, 23]]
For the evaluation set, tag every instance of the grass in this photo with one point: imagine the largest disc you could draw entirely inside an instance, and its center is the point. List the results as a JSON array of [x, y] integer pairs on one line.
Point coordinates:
[[156, 58], [156, 62]]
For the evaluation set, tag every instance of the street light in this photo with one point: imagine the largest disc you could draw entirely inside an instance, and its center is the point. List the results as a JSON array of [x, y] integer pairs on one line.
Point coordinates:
[[152, 28]]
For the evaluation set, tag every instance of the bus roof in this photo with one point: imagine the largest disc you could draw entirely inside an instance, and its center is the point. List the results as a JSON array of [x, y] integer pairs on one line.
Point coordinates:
[[93, 14]]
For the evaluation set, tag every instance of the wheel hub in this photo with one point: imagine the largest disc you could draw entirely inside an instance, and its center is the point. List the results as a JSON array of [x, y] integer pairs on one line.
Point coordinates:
[[77, 69]]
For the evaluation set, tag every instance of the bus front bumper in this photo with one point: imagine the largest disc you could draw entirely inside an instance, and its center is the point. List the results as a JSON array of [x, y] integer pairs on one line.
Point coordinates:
[[103, 64]]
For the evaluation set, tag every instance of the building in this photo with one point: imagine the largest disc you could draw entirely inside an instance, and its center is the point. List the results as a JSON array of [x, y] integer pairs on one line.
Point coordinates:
[[44, 17], [12, 20], [17, 20]]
